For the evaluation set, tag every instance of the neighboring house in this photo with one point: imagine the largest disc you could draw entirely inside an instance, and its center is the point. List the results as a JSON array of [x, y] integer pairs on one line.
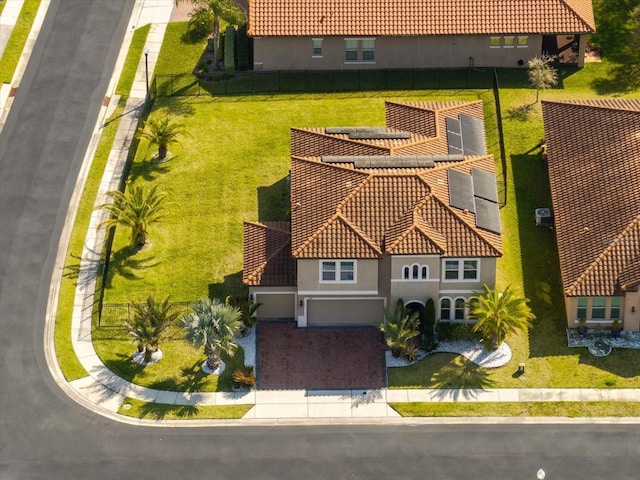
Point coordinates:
[[380, 213], [593, 151], [396, 34]]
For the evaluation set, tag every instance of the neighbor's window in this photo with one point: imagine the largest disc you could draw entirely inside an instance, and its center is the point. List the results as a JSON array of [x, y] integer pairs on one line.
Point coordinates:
[[445, 309], [508, 42], [405, 272], [338, 271], [523, 42], [597, 307], [615, 307], [459, 308], [461, 270], [451, 269], [582, 307], [415, 272], [368, 49], [351, 50], [424, 272], [494, 42], [317, 47]]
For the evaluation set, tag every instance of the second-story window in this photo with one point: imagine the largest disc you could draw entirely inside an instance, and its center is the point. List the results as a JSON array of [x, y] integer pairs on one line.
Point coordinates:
[[337, 271]]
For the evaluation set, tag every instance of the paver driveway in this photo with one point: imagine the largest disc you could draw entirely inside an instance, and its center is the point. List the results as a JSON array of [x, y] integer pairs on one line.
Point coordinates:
[[319, 358]]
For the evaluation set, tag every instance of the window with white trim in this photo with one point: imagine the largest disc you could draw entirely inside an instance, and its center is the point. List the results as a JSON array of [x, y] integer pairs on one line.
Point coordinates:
[[459, 309], [615, 308], [598, 307], [337, 271], [523, 42], [359, 49], [316, 44], [460, 270], [582, 308], [415, 272], [445, 309], [509, 42], [494, 42]]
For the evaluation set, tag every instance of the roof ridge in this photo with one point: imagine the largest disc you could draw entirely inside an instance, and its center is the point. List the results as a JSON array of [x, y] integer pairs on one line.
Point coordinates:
[[603, 255], [571, 5], [613, 104], [340, 139], [315, 235], [358, 231]]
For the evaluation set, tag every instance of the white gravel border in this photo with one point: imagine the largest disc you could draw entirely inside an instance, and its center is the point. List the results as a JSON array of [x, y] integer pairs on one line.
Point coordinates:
[[473, 351]]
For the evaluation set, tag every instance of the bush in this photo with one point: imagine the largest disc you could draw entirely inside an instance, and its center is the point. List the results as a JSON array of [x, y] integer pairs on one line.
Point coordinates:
[[229, 49], [242, 50], [444, 331], [244, 377]]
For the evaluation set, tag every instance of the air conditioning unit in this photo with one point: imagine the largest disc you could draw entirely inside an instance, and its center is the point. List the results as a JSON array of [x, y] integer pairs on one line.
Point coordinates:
[[544, 217]]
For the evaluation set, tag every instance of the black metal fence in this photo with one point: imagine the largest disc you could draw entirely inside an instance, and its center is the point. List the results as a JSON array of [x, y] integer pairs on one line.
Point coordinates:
[[311, 81], [115, 314]]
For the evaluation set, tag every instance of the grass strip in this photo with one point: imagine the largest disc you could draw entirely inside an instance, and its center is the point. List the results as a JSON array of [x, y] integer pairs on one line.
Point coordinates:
[[162, 411], [17, 40], [128, 74], [518, 409]]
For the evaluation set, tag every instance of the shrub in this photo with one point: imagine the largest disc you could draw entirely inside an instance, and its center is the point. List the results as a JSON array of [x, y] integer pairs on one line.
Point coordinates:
[[229, 50], [244, 377], [242, 50]]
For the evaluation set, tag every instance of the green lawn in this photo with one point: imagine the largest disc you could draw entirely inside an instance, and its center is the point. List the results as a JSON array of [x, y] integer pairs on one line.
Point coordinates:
[[519, 409], [161, 411], [19, 35]]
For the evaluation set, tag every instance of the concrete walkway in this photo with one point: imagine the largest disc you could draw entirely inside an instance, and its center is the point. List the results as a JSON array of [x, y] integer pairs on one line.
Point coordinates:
[[104, 392]]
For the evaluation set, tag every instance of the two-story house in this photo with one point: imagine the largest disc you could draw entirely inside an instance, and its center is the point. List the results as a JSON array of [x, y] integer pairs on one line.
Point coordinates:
[[409, 210]]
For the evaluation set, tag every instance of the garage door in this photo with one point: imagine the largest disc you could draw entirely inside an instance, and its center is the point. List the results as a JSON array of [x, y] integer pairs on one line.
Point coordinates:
[[275, 305], [345, 312]]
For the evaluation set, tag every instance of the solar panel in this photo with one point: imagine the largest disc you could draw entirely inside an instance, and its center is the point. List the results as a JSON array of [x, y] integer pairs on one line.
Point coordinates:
[[461, 190], [379, 135], [472, 135], [484, 184], [487, 215], [454, 137]]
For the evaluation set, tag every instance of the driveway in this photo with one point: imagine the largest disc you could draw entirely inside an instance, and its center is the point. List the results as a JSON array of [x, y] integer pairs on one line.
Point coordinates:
[[319, 358]]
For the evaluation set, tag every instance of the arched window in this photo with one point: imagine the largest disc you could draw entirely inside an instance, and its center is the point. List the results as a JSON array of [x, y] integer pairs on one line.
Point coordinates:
[[445, 309], [424, 272], [415, 269], [405, 272], [459, 307]]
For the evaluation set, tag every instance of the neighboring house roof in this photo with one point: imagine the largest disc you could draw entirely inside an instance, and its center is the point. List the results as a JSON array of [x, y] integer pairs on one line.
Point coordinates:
[[593, 149], [267, 254], [418, 17]]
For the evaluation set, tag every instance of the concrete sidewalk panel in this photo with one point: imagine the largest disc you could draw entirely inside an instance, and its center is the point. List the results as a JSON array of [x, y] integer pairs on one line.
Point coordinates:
[[281, 396], [281, 410], [329, 410]]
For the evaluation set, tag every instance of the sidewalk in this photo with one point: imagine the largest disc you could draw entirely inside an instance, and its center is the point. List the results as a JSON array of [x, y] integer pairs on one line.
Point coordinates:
[[104, 393]]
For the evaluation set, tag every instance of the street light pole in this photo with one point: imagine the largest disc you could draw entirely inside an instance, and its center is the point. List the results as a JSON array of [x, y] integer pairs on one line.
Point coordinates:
[[146, 70]]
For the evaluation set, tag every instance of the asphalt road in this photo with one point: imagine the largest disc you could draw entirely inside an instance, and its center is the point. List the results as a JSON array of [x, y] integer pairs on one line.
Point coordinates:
[[44, 434]]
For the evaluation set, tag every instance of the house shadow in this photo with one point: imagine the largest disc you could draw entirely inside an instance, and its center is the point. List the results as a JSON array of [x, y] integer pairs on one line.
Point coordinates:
[[231, 285], [274, 201], [539, 257]]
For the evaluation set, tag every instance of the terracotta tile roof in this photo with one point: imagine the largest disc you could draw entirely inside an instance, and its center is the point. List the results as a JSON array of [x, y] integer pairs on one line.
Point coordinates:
[[386, 210], [267, 255], [593, 151], [424, 120], [418, 17]]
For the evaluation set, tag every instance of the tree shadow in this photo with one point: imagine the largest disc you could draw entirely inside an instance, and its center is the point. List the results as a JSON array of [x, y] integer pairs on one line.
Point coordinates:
[[191, 379], [461, 375], [521, 113], [124, 367], [150, 168], [621, 79], [274, 201], [125, 264], [159, 411]]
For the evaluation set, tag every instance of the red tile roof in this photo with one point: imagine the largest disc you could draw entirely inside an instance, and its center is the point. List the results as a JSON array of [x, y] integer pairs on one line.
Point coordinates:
[[267, 255], [418, 17], [593, 152]]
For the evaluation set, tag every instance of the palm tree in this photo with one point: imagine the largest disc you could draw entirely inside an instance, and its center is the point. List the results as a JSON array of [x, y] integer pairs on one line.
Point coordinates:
[[499, 314], [212, 324], [216, 10], [161, 133], [399, 328], [136, 209], [541, 74], [150, 320]]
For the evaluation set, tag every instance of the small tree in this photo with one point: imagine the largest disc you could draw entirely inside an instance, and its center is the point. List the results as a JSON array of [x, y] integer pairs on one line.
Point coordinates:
[[499, 313], [135, 208], [212, 324], [541, 74], [161, 133], [150, 320], [399, 328]]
